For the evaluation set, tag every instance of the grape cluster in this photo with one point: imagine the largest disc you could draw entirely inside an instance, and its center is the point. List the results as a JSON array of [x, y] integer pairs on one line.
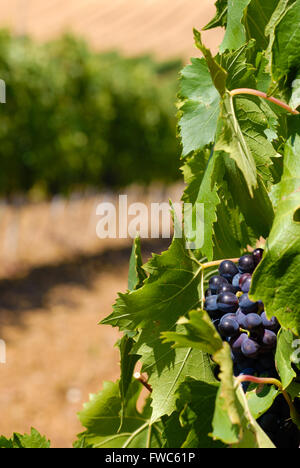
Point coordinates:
[[251, 335]]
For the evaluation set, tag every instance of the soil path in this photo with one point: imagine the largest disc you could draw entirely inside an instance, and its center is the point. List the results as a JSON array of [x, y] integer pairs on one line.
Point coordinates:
[[56, 352]]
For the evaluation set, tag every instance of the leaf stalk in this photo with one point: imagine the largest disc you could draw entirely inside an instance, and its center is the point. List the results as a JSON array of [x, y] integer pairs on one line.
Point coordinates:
[[261, 94]]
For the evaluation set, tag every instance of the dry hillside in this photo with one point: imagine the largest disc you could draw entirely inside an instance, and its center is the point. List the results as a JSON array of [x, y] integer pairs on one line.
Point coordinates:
[[162, 27]]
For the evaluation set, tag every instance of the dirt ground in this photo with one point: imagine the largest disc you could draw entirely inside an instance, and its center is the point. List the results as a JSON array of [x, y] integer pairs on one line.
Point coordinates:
[[56, 352]]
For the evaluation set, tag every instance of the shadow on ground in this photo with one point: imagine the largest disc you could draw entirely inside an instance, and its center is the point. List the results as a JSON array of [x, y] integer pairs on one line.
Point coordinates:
[[20, 294]]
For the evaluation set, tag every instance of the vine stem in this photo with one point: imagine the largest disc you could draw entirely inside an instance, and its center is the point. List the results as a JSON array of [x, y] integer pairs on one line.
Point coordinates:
[[143, 381], [255, 92], [217, 263], [271, 381]]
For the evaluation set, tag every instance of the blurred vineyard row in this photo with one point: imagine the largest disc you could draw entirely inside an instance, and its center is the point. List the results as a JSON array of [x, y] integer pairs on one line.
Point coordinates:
[[75, 118]]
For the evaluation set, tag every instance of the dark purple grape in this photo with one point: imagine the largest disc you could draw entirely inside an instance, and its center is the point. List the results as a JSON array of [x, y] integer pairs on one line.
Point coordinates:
[[246, 305], [253, 322], [243, 278], [269, 340], [227, 288], [231, 315], [240, 317], [211, 306], [236, 280], [215, 283], [271, 324], [246, 264], [257, 255], [228, 270], [227, 302], [250, 348], [228, 327], [246, 285], [236, 343]]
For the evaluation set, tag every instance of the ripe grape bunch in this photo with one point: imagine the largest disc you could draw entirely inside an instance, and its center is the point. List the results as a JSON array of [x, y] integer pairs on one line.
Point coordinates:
[[251, 335]]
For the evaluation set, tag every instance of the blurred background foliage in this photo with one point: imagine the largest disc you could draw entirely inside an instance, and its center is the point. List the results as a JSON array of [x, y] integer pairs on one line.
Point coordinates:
[[75, 118]]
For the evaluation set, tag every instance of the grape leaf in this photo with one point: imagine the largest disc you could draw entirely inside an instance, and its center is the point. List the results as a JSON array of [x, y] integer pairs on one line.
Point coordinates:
[[295, 98], [283, 356], [187, 362], [235, 34], [136, 273], [199, 333], [33, 440], [101, 418], [285, 50], [171, 290], [257, 18], [128, 361], [208, 196], [275, 281], [218, 74], [200, 109], [195, 408], [257, 210], [220, 19], [260, 398], [232, 141]]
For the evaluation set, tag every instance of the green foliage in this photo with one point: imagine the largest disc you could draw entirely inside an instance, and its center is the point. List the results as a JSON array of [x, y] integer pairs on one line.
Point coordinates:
[[101, 417], [240, 157], [75, 118], [276, 281], [33, 440]]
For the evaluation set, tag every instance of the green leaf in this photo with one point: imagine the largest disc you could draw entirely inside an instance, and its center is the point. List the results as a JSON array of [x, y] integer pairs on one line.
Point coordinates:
[[295, 98], [233, 142], [257, 18], [257, 210], [275, 281], [200, 109], [136, 275], [233, 422], [285, 50], [220, 19], [240, 72], [171, 290], [101, 418], [128, 362], [199, 333], [195, 406], [235, 35], [260, 398], [218, 74], [283, 356], [184, 362], [270, 29], [208, 197], [33, 440]]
